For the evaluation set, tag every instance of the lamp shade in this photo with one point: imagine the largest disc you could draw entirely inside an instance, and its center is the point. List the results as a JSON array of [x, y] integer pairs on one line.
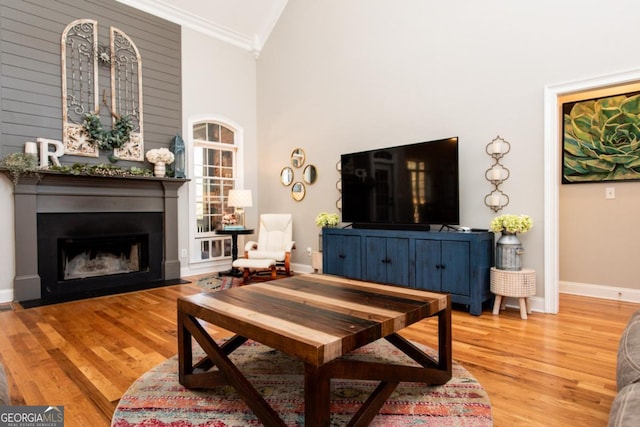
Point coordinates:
[[240, 199]]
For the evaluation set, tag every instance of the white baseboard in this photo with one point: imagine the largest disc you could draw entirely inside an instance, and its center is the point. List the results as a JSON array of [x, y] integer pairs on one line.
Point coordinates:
[[302, 268], [536, 303], [585, 290], [6, 295], [600, 291]]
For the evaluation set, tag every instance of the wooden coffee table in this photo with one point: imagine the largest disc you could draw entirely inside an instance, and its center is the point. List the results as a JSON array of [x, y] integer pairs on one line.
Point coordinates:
[[315, 318]]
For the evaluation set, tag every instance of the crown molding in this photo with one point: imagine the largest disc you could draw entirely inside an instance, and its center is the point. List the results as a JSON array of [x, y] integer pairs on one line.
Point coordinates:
[[270, 22], [253, 43]]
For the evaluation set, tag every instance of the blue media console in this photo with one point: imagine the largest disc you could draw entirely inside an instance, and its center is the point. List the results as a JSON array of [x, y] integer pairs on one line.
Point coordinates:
[[451, 262]]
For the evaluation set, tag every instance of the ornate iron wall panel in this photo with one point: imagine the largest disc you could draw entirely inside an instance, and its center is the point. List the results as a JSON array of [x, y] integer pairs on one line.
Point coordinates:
[[79, 84], [126, 91]]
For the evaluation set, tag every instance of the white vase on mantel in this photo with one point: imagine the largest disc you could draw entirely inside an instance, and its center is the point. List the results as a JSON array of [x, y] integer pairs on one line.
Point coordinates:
[[159, 169]]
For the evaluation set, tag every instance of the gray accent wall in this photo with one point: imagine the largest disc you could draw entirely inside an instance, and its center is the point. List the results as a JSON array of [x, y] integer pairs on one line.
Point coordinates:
[[30, 64]]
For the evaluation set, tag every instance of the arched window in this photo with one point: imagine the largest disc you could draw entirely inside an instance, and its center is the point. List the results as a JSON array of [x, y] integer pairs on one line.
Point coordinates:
[[215, 153]]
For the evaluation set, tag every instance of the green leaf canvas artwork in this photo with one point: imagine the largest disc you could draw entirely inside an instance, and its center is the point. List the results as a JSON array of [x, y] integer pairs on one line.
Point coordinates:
[[601, 139]]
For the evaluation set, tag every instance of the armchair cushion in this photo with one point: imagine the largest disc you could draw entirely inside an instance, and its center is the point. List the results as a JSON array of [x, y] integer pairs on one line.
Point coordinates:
[[277, 255], [275, 232], [274, 240]]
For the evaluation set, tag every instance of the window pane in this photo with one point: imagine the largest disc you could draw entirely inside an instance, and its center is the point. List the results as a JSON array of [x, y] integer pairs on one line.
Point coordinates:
[[227, 135], [214, 132], [216, 248], [214, 222], [226, 187], [204, 249], [200, 131], [214, 189], [211, 156], [227, 159]]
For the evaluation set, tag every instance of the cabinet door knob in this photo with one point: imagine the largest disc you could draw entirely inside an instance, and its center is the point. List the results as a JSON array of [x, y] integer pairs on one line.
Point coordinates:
[[341, 256]]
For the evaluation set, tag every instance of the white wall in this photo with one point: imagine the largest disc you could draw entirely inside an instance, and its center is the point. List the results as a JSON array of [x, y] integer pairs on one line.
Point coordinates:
[[339, 76], [219, 81], [7, 242]]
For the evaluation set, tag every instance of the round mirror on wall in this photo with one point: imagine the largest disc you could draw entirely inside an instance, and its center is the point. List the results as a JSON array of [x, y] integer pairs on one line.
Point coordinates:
[[297, 157], [286, 176], [298, 191], [309, 174]]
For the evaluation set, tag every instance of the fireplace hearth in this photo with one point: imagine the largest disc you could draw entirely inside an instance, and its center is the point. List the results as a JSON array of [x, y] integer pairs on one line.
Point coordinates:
[[85, 236]]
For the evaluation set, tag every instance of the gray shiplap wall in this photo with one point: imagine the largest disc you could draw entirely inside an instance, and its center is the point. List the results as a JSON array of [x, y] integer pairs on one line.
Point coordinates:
[[30, 79]]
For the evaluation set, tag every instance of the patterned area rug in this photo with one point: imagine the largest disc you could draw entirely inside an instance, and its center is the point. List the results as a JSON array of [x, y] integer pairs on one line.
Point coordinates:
[[216, 283], [157, 399]]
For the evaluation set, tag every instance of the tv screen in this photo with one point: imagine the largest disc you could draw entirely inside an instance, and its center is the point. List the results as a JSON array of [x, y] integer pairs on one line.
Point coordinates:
[[408, 186]]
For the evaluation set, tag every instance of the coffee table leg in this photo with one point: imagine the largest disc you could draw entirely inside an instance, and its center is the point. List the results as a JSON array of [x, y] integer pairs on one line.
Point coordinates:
[[445, 350], [188, 327], [317, 384], [185, 352]]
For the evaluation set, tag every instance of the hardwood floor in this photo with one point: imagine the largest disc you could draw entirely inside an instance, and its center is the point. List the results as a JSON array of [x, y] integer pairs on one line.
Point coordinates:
[[548, 370]]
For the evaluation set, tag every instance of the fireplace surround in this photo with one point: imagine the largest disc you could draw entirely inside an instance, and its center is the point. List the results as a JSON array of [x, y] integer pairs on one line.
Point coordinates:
[[129, 223]]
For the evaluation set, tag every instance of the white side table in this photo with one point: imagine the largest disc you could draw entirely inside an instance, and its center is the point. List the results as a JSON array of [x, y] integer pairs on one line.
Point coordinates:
[[518, 284]]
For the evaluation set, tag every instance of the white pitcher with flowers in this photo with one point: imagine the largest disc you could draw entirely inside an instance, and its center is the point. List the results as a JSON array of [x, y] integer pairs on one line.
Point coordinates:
[[160, 157]]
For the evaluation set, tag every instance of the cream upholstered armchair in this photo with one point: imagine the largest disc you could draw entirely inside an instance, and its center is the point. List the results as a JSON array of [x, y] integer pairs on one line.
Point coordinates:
[[275, 241]]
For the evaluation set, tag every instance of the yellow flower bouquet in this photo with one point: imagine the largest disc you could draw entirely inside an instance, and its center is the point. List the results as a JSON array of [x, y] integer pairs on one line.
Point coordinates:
[[511, 223], [325, 219]]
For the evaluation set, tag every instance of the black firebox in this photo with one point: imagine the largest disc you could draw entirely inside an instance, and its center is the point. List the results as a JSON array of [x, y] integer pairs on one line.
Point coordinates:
[[83, 254]]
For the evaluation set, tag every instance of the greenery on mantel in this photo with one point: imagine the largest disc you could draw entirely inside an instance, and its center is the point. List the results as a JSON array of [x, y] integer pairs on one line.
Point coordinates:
[[102, 169], [19, 165]]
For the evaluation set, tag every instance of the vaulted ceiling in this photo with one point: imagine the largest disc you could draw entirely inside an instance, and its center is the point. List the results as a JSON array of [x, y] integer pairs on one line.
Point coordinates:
[[244, 23]]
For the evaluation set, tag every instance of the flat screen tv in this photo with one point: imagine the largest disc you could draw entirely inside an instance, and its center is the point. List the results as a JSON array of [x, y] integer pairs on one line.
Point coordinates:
[[404, 187]]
